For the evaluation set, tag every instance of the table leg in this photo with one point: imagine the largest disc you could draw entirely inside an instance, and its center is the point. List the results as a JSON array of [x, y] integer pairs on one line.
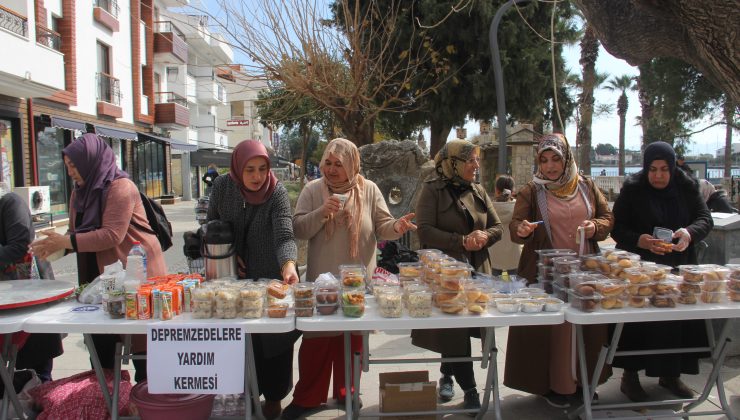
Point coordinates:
[[356, 386], [488, 362], [7, 366], [252, 391], [117, 359], [247, 382], [347, 370], [99, 373], [584, 372]]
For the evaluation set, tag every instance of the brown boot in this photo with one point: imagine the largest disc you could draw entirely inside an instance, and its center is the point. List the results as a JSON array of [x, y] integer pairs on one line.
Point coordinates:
[[631, 387], [676, 386], [271, 409]]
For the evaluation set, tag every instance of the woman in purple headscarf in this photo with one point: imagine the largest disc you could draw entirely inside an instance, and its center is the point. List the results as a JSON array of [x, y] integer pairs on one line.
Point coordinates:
[[105, 208]]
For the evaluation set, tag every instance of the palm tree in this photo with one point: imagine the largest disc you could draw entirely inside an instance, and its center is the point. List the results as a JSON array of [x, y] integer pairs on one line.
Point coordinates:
[[621, 83], [589, 54]]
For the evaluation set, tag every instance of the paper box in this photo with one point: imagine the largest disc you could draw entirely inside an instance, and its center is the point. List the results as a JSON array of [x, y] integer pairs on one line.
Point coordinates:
[[407, 391]]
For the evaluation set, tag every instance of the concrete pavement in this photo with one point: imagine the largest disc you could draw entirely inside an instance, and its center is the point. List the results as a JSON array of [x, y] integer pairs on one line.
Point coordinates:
[[515, 404]]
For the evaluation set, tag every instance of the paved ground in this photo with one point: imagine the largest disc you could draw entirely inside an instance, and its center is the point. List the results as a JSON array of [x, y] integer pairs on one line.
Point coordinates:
[[516, 405]]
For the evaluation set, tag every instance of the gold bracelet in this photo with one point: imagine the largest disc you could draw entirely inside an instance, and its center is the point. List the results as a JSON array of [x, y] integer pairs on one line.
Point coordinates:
[[284, 264]]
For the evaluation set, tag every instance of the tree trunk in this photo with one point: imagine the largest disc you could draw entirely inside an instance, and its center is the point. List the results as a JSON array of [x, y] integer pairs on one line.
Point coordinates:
[[697, 32], [304, 130], [646, 109], [589, 54], [622, 105], [438, 136], [729, 110], [357, 128]]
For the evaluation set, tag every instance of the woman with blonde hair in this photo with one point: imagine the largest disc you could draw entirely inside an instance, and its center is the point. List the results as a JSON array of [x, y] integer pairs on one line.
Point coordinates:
[[337, 233]]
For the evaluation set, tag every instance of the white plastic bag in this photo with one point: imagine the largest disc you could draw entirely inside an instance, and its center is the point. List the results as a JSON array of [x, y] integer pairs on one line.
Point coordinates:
[[112, 278]]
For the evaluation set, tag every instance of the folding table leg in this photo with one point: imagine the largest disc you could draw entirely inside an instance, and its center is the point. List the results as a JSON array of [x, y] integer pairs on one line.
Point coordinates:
[[7, 366], [356, 386], [251, 369], [489, 363], [117, 359], [347, 370], [99, 374], [584, 372]]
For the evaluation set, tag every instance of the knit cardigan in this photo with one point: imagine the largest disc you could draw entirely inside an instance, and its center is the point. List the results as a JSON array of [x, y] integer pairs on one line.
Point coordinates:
[[263, 233]]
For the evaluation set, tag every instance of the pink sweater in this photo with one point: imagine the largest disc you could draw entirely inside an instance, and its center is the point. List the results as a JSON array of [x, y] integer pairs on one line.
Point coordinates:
[[116, 235]]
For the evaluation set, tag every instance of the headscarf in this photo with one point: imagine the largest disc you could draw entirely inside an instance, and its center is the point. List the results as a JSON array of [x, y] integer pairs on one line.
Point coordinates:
[[96, 163], [450, 160], [242, 153], [567, 185], [666, 202], [706, 189], [351, 213]]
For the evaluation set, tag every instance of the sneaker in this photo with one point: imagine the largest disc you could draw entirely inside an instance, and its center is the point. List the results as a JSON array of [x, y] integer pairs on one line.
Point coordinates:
[[557, 400], [293, 412], [271, 410], [579, 394], [446, 389], [471, 401], [676, 386]]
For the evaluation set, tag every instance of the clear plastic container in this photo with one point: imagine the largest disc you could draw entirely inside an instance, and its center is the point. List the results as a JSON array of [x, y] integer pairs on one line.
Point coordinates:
[[638, 301], [304, 307], [410, 269], [553, 304], [226, 301], [353, 303], [327, 300], [733, 295], [252, 300], [567, 264], [201, 303], [352, 275], [584, 302], [278, 310], [688, 298], [507, 306], [544, 272], [614, 301], [419, 303], [389, 300], [451, 282], [590, 262], [664, 300], [532, 305], [478, 296], [545, 256], [713, 297], [560, 292]]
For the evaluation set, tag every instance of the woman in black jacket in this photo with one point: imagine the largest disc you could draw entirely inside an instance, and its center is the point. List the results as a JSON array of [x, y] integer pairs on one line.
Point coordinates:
[[660, 196]]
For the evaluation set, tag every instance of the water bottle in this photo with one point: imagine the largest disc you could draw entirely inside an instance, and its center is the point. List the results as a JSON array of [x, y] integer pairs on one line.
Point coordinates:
[[136, 262]]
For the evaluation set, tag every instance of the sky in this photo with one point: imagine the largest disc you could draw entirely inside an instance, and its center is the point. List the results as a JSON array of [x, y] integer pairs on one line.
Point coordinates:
[[605, 129]]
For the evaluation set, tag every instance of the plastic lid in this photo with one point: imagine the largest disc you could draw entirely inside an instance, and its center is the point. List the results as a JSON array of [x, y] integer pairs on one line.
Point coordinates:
[[140, 394], [136, 242]]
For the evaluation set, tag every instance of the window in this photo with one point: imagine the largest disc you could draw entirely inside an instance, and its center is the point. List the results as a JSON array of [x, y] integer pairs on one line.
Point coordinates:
[[237, 109], [172, 73], [147, 169], [103, 58], [49, 144], [6, 153]]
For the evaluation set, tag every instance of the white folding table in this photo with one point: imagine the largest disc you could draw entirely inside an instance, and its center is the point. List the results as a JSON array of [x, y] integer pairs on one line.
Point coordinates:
[[371, 321], [717, 348], [74, 317]]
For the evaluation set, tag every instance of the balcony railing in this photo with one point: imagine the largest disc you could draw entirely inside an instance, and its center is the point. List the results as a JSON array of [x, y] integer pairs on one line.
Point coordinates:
[[13, 22], [109, 89], [110, 6], [170, 97], [165, 26], [49, 38]]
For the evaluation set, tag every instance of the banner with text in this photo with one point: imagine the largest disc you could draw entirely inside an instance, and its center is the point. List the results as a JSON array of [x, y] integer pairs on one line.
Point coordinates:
[[195, 358]]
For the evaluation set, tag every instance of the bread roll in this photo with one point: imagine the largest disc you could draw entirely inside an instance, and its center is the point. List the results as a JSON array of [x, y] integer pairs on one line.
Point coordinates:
[[277, 290]]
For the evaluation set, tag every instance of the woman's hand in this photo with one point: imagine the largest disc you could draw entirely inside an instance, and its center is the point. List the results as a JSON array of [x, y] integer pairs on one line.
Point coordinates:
[[656, 246], [684, 239], [241, 268], [476, 240], [404, 224], [331, 206], [290, 275], [526, 228], [53, 242], [589, 227]]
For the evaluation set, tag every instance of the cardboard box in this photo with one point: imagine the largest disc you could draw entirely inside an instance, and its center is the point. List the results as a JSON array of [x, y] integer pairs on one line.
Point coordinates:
[[407, 391]]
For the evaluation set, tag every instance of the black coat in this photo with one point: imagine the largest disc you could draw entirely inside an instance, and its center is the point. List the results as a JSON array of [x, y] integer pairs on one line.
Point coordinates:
[[633, 216], [719, 203]]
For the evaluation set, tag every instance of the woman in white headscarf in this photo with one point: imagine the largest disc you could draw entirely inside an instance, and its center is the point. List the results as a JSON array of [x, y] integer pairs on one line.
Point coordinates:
[[337, 234]]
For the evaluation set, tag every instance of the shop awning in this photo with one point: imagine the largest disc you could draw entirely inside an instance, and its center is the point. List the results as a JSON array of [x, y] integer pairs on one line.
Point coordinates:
[[175, 144], [67, 124], [116, 133]]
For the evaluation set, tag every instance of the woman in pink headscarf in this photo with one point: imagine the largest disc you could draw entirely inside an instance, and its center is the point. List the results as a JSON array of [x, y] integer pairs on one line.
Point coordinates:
[[337, 234], [258, 208]]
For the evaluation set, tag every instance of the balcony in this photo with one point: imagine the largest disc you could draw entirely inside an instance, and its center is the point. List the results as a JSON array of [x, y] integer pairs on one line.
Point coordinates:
[[13, 22], [209, 91], [42, 75], [175, 3], [171, 111], [105, 12], [48, 38], [169, 44], [108, 95]]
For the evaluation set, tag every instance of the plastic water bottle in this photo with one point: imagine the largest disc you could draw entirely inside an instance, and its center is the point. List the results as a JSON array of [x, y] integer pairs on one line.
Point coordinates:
[[136, 262]]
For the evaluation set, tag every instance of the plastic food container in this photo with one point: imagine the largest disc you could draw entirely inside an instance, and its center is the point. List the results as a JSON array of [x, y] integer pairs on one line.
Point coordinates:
[[531, 305], [560, 292], [590, 262], [552, 304], [455, 268], [692, 274], [171, 406], [614, 301], [584, 302], [734, 295], [665, 300], [713, 297], [638, 301], [226, 301], [326, 308], [623, 258], [327, 300], [201, 303], [642, 289], [389, 301], [477, 295], [567, 264], [579, 277], [688, 298], [547, 255], [278, 310], [304, 307], [252, 300], [426, 254], [353, 303], [409, 269], [714, 285], [507, 306], [352, 275], [419, 303], [544, 272]]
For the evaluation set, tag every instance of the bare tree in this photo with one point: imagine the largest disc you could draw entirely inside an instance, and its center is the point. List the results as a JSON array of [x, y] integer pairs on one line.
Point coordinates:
[[353, 69]]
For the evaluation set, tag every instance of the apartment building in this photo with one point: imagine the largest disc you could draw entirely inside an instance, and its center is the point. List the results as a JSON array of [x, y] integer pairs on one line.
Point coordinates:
[[129, 70]]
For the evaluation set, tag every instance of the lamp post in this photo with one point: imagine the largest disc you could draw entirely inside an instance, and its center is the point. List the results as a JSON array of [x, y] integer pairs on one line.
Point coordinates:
[[499, 80]]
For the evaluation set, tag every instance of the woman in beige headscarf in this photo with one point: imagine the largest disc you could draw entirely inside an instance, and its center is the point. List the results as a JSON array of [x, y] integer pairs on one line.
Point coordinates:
[[342, 215]]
